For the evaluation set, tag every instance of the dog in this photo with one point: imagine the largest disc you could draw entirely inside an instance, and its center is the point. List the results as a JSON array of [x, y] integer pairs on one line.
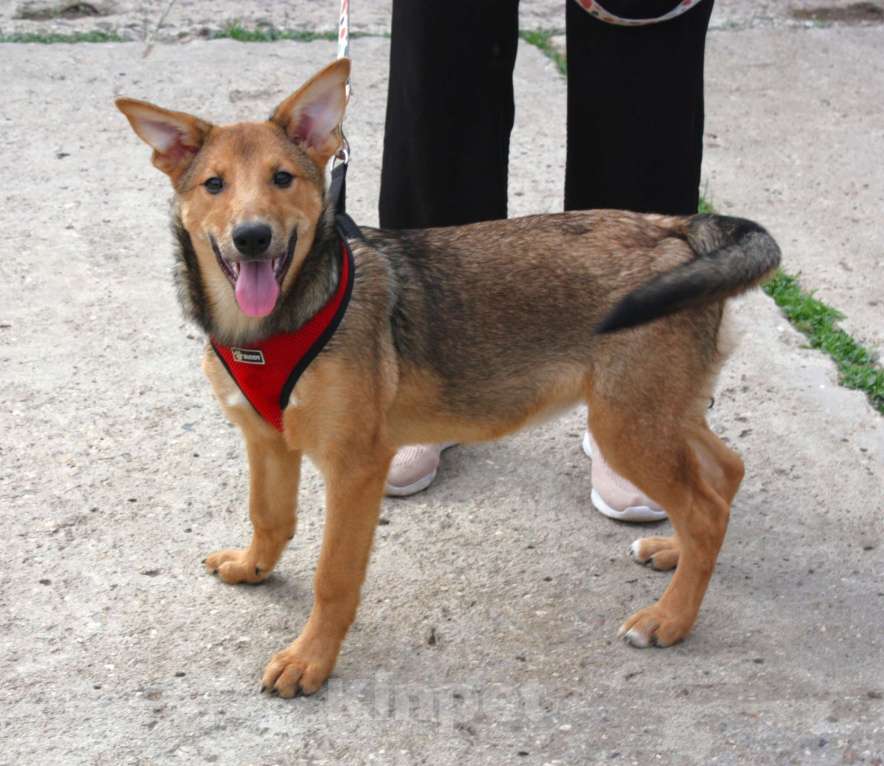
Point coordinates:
[[463, 333]]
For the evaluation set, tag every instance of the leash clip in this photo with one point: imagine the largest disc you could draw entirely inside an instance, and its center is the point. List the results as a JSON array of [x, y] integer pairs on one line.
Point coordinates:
[[343, 154], [337, 193]]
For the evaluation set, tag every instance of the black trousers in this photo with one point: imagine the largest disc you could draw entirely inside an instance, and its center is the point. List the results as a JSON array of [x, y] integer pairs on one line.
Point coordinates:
[[635, 111]]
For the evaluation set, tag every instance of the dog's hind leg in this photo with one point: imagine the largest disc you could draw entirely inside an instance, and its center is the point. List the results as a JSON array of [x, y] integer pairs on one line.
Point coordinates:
[[680, 464], [722, 468], [660, 553], [274, 473]]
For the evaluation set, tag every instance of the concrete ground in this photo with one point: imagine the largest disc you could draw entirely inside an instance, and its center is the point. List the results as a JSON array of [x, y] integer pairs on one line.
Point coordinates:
[[187, 19], [487, 631]]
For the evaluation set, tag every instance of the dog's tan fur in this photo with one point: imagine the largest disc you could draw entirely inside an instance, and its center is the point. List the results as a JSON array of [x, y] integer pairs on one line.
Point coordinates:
[[459, 334]]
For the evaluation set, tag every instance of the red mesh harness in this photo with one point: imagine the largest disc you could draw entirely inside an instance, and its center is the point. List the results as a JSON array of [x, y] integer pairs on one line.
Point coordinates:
[[266, 371]]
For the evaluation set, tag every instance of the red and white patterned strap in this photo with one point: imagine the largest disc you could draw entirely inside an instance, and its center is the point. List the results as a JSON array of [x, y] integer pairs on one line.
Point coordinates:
[[344, 30], [595, 9], [343, 154]]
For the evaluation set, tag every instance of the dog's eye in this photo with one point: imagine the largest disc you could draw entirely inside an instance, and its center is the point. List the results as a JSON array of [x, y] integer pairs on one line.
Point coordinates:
[[214, 185], [282, 179]]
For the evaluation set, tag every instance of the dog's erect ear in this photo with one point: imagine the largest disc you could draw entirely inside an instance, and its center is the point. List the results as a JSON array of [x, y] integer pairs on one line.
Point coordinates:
[[312, 115], [175, 137]]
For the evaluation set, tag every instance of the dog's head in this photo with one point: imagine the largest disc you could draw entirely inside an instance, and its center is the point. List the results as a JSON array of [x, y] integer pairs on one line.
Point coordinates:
[[249, 195]]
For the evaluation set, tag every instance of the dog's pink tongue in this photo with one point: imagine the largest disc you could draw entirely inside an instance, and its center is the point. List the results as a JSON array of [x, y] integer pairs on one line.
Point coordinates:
[[256, 288]]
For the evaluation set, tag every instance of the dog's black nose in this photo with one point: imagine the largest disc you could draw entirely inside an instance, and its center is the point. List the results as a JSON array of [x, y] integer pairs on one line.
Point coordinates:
[[252, 239]]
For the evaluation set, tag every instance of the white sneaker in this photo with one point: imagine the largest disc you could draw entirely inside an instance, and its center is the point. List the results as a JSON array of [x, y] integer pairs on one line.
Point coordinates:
[[613, 495], [414, 468]]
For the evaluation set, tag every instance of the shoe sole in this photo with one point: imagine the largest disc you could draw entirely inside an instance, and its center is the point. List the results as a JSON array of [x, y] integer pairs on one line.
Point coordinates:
[[587, 445], [636, 513], [420, 485]]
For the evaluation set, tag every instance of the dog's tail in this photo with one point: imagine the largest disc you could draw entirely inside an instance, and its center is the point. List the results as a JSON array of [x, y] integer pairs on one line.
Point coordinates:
[[732, 255]]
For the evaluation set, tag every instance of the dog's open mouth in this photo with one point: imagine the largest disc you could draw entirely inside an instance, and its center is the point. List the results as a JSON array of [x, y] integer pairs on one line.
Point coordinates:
[[256, 283]]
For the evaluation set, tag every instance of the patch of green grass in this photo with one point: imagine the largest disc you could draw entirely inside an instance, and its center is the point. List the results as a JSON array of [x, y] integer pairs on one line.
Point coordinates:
[[235, 31], [817, 321], [73, 37], [705, 206], [857, 367], [542, 39]]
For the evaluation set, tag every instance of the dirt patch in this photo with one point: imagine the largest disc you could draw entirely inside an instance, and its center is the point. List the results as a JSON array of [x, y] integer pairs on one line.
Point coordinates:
[[44, 10], [855, 13]]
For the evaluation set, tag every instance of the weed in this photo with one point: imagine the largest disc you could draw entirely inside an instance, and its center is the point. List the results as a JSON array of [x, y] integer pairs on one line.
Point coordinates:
[[542, 39], [236, 31], [857, 366]]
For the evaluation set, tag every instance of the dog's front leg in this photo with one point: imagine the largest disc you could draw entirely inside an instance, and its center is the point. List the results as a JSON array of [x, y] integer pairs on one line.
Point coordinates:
[[274, 473], [353, 499]]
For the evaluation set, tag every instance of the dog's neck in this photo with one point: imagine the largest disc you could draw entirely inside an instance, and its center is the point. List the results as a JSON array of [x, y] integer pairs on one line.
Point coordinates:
[[312, 287]]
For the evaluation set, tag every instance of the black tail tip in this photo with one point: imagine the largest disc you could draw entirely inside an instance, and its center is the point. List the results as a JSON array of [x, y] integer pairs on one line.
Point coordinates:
[[608, 325]]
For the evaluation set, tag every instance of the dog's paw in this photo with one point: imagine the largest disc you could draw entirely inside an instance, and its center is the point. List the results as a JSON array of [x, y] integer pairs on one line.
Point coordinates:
[[654, 626], [297, 670], [660, 553], [235, 566]]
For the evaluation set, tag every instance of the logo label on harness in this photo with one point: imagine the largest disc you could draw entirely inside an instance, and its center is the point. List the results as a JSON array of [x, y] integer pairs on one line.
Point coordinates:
[[248, 355]]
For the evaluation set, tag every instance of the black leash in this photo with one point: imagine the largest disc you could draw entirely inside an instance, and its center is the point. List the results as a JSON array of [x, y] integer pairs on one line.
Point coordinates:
[[337, 196]]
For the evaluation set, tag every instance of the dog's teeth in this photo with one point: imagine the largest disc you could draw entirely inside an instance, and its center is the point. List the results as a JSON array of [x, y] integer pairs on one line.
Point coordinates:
[[275, 263]]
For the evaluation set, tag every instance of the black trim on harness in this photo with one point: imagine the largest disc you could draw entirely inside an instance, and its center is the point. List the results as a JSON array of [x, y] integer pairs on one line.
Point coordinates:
[[314, 350], [346, 229]]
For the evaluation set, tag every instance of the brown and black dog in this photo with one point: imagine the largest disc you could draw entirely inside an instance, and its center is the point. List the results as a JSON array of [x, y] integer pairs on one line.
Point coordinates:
[[452, 334]]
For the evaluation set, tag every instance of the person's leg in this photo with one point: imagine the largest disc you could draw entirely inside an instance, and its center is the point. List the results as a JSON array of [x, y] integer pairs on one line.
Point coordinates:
[[635, 142], [446, 145], [449, 113], [635, 110]]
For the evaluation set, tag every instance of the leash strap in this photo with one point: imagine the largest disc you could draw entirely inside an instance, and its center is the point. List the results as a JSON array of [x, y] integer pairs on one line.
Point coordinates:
[[344, 30], [595, 9], [338, 188], [337, 192]]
